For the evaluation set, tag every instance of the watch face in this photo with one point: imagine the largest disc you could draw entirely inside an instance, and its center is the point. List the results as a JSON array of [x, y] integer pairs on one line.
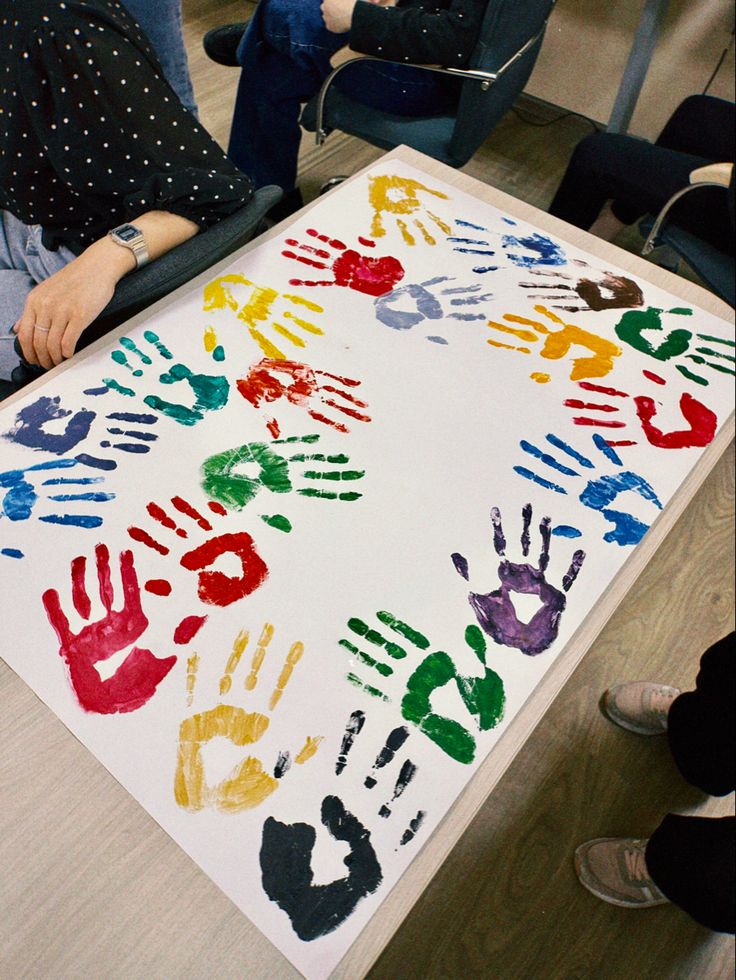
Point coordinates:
[[127, 232]]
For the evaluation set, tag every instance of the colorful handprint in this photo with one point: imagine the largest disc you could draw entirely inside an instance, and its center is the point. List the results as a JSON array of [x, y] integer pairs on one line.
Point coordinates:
[[248, 784], [495, 610], [350, 269], [284, 314], [137, 678]]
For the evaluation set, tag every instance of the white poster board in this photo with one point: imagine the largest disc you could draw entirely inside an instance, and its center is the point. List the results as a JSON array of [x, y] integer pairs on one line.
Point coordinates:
[[291, 556]]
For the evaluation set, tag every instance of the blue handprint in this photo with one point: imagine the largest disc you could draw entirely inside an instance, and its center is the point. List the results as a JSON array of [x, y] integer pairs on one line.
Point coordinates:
[[524, 251], [427, 304], [31, 430], [210, 391], [598, 494], [21, 497]]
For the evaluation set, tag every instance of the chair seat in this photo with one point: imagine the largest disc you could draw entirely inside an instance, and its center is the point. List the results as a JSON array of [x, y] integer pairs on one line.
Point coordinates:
[[430, 135]]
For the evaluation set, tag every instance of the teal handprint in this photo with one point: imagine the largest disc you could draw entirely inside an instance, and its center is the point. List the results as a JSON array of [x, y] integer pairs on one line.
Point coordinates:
[[210, 391]]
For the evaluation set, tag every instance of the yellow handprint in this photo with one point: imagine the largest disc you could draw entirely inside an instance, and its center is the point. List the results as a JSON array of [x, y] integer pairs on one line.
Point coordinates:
[[259, 310], [400, 196], [248, 784]]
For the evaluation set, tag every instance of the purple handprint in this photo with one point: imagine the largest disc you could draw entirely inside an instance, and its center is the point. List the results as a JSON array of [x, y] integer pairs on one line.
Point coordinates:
[[495, 610]]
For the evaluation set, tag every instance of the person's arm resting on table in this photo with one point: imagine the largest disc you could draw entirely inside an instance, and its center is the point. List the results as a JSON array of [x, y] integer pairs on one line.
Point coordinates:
[[121, 149], [62, 306]]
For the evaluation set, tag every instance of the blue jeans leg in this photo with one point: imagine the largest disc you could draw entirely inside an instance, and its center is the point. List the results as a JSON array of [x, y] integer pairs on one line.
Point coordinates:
[[161, 22], [285, 55], [24, 262]]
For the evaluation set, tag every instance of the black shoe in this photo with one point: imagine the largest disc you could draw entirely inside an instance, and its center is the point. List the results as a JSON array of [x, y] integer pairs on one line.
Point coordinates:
[[221, 43], [289, 204]]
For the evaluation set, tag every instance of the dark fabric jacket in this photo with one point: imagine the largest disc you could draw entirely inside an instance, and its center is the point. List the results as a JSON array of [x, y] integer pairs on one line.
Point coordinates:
[[429, 32]]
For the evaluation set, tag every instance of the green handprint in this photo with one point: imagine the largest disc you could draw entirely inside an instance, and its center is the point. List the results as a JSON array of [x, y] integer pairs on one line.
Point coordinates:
[[483, 696], [235, 489], [210, 391]]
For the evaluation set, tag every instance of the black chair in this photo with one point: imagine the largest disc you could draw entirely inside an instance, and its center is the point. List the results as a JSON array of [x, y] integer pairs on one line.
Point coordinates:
[[714, 267], [510, 38], [145, 286]]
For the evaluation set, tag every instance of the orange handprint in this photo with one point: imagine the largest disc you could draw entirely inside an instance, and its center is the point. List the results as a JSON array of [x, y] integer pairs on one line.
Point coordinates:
[[557, 344]]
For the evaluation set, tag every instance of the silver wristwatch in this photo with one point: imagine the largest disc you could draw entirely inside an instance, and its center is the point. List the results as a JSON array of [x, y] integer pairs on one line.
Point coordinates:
[[131, 238]]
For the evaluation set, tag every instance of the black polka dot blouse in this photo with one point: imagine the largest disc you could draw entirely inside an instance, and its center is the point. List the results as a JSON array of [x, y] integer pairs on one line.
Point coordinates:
[[91, 134]]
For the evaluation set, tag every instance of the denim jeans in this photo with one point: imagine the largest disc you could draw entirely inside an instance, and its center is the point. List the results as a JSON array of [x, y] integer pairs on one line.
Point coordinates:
[[285, 56], [24, 262], [161, 22]]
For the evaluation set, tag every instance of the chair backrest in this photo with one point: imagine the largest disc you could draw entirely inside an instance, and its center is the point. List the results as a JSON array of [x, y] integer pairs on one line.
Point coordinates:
[[506, 26], [149, 284]]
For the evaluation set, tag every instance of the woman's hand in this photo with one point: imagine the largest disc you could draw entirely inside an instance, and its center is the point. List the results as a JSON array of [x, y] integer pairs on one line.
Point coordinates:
[[338, 15], [62, 306]]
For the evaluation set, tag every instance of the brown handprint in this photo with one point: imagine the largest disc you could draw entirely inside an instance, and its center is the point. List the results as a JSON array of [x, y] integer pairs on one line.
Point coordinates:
[[136, 679], [248, 784], [363, 273], [607, 291]]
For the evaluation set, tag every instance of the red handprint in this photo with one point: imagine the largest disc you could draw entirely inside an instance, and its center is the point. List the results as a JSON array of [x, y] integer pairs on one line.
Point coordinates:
[[213, 587], [702, 422], [137, 678], [374, 276], [300, 385]]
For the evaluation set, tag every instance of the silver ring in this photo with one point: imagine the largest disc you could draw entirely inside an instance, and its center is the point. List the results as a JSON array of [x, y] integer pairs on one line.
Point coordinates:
[[42, 329]]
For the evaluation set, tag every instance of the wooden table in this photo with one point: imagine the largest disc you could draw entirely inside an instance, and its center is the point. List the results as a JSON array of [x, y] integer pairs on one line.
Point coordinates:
[[91, 885]]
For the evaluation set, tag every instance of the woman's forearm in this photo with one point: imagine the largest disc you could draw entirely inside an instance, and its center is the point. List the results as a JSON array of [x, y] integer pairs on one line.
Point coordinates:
[[62, 306]]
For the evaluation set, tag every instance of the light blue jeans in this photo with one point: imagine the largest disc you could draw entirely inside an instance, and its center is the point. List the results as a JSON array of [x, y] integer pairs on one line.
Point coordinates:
[[24, 262], [161, 22]]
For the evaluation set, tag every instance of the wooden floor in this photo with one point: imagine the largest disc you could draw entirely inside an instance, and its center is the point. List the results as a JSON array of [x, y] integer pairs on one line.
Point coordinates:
[[507, 904]]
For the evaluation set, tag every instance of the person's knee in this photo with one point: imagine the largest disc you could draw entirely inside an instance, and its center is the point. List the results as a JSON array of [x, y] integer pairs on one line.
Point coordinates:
[[286, 22]]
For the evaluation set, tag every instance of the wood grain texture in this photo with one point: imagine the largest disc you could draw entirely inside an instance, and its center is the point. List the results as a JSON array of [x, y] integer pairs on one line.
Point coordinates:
[[92, 887]]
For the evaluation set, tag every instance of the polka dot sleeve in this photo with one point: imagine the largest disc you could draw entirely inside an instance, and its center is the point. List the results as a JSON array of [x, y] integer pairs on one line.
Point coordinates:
[[118, 140]]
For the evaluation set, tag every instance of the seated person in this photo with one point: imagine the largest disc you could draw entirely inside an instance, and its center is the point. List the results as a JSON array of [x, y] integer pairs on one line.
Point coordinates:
[[640, 177], [94, 138], [285, 56]]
